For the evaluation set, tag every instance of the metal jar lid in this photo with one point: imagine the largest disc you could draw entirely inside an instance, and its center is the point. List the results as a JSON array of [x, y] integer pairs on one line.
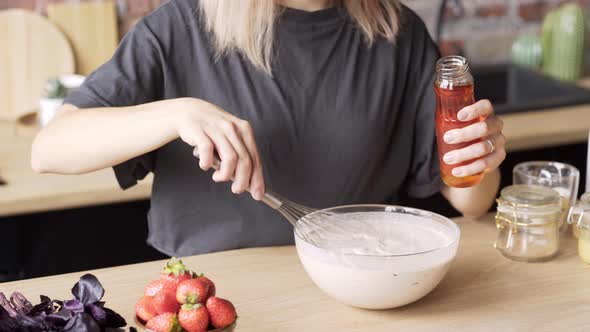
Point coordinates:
[[529, 198]]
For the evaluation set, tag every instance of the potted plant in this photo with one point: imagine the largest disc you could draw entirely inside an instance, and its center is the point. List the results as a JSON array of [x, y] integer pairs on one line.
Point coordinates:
[[56, 90]]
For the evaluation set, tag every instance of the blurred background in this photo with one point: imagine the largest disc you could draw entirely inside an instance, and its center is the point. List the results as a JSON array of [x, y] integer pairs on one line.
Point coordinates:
[[527, 56]]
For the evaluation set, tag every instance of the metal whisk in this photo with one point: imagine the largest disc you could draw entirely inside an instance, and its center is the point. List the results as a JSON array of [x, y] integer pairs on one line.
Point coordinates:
[[301, 217]]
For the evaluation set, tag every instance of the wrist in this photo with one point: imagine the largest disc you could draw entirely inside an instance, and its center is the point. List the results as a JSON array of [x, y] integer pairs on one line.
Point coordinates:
[[183, 110]]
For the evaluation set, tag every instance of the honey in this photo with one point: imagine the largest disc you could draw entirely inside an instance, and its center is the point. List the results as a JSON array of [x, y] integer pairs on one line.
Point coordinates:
[[584, 246], [454, 90], [580, 220]]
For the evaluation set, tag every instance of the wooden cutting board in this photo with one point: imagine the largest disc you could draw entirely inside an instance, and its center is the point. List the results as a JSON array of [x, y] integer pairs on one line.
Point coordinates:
[[91, 28], [32, 50]]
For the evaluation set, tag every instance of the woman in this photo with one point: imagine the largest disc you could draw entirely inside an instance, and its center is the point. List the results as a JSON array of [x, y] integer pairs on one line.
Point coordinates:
[[333, 100]]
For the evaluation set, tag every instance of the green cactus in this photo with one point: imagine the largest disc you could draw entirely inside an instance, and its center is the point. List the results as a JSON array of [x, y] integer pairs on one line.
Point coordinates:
[[564, 42], [54, 89], [546, 38]]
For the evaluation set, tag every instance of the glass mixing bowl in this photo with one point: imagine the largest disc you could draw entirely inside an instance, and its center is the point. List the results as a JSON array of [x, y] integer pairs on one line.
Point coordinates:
[[380, 281]]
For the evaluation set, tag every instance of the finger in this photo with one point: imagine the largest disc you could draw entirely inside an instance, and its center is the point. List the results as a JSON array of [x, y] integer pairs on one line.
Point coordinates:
[[227, 154], [491, 126], [489, 162], [204, 150], [482, 108], [474, 151], [257, 180], [243, 171]]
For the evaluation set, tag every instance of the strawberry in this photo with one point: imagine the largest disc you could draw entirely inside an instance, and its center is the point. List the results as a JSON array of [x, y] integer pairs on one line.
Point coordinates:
[[211, 286], [167, 322], [153, 288], [144, 309], [174, 273], [165, 301], [221, 312], [194, 317], [192, 291]]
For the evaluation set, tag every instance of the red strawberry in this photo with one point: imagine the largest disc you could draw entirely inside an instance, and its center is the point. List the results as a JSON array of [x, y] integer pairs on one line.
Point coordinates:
[[174, 273], [192, 291], [211, 286], [221, 312], [167, 322], [153, 288], [194, 317], [144, 309], [165, 301]]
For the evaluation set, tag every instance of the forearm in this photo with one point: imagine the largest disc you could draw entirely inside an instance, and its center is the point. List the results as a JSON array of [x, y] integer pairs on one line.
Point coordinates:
[[80, 141], [474, 201]]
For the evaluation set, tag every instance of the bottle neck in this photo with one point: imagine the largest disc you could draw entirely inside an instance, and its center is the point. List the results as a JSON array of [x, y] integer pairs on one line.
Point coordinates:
[[453, 70]]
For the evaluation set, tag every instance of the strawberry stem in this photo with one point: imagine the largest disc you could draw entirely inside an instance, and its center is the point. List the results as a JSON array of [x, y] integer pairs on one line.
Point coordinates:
[[176, 325], [189, 306], [175, 266], [192, 298]]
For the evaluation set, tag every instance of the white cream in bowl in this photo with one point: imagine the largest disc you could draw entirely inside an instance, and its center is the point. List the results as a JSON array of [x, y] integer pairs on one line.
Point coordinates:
[[386, 257]]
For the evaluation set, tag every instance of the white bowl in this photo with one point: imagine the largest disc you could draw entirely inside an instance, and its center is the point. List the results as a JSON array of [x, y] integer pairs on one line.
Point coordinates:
[[381, 281]]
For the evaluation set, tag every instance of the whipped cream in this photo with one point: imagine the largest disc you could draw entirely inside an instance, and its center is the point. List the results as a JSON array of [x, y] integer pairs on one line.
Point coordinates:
[[393, 261], [376, 233]]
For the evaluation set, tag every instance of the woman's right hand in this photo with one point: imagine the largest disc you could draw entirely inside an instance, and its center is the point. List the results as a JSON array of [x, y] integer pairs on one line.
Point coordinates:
[[210, 129]]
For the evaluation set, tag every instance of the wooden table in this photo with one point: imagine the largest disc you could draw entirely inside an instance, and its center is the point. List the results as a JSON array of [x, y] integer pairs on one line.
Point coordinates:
[[483, 291], [27, 192]]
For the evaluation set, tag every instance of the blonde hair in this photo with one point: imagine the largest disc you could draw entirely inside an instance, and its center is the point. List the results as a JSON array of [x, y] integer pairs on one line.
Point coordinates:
[[247, 26]]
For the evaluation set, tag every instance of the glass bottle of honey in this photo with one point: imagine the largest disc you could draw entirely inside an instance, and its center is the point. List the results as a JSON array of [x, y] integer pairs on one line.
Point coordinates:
[[454, 90]]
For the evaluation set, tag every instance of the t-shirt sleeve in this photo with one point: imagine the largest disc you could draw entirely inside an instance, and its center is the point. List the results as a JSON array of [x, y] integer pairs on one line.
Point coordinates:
[[424, 176], [132, 76]]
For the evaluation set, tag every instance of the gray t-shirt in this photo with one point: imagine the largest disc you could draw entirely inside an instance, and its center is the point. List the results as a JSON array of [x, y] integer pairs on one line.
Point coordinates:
[[337, 123]]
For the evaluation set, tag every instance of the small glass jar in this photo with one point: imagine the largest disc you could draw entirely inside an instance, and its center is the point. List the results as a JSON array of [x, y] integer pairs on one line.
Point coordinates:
[[528, 219], [563, 178], [580, 218], [580, 212]]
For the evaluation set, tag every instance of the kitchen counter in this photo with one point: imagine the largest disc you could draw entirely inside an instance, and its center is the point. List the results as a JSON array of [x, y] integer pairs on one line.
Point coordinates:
[[483, 291], [27, 192]]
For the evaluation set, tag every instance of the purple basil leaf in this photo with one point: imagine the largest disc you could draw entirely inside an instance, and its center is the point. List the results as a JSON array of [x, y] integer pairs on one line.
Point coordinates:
[[8, 324], [32, 324], [88, 290], [113, 319], [98, 313], [46, 306], [20, 303], [60, 318], [7, 306], [74, 305], [82, 322], [3, 313]]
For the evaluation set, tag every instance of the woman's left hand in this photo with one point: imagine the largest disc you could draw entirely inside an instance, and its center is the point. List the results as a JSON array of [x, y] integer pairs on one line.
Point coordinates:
[[488, 154]]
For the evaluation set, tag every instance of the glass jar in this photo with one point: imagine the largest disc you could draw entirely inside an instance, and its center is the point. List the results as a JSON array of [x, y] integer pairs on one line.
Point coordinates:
[[579, 213], [528, 223], [561, 177], [454, 90], [580, 218]]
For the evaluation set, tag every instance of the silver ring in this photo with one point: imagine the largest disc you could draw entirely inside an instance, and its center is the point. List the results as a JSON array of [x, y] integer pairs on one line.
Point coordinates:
[[492, 145]]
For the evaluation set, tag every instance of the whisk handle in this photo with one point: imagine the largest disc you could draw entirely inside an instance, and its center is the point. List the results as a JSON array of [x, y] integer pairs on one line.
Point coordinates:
[[270, 198]]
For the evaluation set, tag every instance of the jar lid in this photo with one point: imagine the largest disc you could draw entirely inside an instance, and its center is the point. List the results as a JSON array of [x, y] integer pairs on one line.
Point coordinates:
[[531, 196]]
